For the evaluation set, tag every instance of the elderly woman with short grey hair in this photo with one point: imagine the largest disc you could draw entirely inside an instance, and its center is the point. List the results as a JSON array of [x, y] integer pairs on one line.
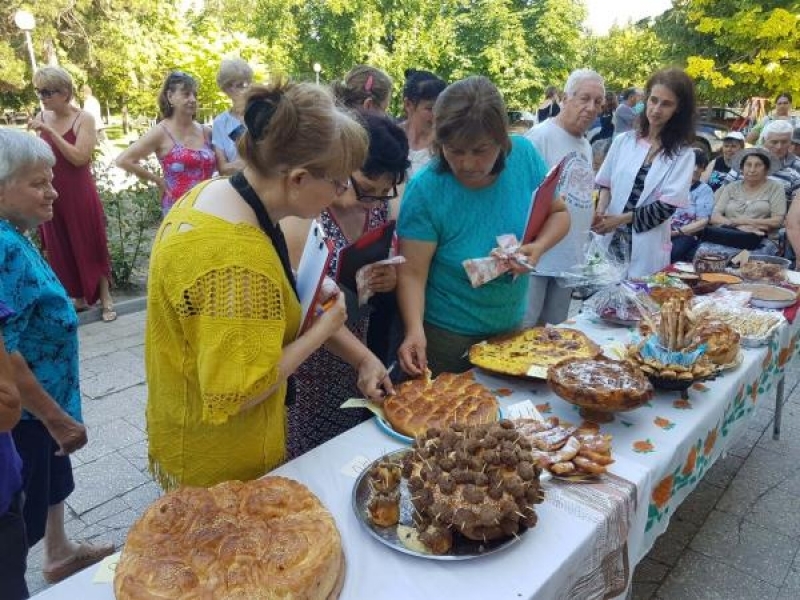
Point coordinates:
[[234, 79], [41, 337]]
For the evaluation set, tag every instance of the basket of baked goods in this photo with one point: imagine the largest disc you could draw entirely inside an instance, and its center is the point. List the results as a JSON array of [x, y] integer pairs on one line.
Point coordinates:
[[670, 354], [574, 453], [268, 538], [599, 386], [528, 353], [419, 404], [459, 492]]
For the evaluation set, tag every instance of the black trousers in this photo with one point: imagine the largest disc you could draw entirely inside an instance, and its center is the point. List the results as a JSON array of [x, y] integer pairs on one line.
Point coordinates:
[[683, 248], [13, 552]]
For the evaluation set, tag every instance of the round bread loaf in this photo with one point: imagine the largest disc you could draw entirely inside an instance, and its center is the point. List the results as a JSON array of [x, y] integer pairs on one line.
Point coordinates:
[[264, 539], [722, 342]]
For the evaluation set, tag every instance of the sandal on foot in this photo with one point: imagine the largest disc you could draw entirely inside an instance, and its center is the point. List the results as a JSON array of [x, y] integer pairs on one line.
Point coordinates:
[[109, 314], [86, 556]]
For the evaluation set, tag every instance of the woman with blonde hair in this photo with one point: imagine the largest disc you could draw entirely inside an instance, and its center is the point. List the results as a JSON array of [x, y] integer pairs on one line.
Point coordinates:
[[365, 88], [75, 239], [234, 78], [181, 144], [223, 316]]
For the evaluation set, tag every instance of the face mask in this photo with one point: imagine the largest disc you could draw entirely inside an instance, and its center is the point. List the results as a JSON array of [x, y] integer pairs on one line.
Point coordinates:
[[638, 107]]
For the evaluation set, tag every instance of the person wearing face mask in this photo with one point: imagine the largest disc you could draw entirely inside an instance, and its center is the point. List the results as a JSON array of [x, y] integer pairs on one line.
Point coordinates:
[[782, 112], [223, 315], [181, 144], [234, 78], [647, 174], [714, 175], [420, 91], [324, 381], [478, 187], [564, 134]]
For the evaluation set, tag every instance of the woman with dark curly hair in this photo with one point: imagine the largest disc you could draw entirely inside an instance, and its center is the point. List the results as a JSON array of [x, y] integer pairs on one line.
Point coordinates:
[[325, 381], [647, 175]]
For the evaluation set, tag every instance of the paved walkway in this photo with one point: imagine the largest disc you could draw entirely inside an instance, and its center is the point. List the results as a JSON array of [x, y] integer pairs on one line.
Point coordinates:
[[736, 537]]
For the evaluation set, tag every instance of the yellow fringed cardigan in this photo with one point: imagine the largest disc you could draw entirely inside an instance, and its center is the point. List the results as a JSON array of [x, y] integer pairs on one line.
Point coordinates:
[[219, 312]]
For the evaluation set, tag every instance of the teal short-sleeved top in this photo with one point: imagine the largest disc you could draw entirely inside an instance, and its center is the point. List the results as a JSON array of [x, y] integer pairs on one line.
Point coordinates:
[[464, 223]]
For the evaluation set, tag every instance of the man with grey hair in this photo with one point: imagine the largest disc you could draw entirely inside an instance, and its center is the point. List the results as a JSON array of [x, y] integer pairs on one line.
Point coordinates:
[[625, 114], [555, 139], [777, 137]]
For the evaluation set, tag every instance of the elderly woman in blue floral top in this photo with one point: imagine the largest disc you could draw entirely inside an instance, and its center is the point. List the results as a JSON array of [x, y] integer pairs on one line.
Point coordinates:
[[42, 340]]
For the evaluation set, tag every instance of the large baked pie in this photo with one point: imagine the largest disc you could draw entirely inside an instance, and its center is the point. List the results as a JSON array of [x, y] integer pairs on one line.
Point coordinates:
[[531, 351], [600, 384], [265, 539], [419, 404]]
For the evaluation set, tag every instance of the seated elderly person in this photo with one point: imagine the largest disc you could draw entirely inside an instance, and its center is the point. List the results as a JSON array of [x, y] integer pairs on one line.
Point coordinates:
[[778, 140], [42, 341], [749, 211]]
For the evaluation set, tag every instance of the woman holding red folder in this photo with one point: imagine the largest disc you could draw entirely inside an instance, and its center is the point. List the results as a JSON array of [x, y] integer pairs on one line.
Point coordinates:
[[479, 186], [324, 381]]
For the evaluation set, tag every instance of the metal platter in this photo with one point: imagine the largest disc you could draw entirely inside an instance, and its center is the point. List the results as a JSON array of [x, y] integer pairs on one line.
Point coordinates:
[[400, 537]]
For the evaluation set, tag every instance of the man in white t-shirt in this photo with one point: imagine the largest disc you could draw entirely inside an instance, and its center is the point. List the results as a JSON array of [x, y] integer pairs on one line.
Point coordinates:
[[554, 139]]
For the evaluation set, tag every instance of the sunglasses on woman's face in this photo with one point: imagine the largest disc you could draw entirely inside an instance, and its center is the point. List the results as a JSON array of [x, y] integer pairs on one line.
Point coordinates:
[[45, 93], [362, 197]]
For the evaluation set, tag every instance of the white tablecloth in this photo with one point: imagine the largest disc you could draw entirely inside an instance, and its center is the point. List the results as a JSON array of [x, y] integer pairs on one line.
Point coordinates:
[[663, 448]]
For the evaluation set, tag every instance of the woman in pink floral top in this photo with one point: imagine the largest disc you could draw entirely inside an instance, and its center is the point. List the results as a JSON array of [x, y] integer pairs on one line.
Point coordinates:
[[181, 144]]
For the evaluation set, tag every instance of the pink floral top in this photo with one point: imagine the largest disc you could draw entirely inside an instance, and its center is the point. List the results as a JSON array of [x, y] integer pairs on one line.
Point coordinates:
[[184, 168]]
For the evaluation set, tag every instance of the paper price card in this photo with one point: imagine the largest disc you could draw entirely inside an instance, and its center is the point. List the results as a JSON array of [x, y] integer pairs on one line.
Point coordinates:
[[363, 403], [523, 410]]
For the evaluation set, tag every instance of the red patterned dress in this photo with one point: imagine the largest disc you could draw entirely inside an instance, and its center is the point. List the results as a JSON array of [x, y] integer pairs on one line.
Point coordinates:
[[324, 381], [75, 238], [184, 168]]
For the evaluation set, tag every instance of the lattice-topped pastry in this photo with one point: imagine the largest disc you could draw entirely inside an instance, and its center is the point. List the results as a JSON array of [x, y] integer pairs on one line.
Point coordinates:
[[600, 386], [531, 351], [264, 539], [419, 404]]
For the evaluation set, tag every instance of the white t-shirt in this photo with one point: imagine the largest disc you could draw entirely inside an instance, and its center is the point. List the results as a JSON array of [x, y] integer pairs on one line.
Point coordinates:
[[553, 142]]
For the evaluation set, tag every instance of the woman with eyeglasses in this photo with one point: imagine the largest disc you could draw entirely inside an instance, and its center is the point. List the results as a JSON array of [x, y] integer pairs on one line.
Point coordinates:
[[74, 239], [181, 144], [325, 381], [223, 316], [234, 78]]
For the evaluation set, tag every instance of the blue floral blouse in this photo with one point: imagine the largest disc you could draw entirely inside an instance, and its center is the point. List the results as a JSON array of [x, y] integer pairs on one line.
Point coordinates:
[[44, 326]]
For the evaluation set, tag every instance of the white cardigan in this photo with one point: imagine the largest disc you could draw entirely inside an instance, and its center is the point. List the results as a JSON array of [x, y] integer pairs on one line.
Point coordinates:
[[668, 180]]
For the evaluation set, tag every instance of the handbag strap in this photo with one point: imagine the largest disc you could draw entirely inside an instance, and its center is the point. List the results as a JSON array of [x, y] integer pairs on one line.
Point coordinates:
[[274, 233]]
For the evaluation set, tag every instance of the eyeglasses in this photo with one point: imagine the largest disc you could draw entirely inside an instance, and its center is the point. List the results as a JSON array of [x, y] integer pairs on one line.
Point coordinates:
[[340, 187], [240, 85], [45, 93], [366, 198]]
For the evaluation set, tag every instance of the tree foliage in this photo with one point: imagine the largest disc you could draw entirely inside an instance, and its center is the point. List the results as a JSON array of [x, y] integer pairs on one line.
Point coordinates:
[[610, 56]]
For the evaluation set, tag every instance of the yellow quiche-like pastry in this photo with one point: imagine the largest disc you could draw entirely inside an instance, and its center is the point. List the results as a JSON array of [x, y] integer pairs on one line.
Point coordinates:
[[261, 540], [422, 403], [531, 351]]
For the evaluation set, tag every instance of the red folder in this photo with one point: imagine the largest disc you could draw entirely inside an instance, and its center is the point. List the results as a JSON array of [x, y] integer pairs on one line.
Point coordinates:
[[371, 247], [542, 201]]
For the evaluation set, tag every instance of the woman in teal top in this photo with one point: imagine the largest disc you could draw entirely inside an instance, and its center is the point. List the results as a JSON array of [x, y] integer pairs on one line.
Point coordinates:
[[479, 186]]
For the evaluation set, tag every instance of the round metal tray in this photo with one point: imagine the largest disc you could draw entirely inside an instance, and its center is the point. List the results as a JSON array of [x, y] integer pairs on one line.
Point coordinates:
[[463, 549]]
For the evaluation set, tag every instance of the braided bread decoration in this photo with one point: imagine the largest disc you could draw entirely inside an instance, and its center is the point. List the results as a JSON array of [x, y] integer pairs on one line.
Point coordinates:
[[419, 404], [264, 539]]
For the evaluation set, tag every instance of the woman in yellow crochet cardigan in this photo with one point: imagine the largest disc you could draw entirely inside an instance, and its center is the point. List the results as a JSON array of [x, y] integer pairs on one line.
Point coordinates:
[[222, 313]]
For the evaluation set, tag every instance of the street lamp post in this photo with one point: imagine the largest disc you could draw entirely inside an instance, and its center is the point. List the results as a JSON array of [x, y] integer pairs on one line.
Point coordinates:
[[317, 69], [26, 22]]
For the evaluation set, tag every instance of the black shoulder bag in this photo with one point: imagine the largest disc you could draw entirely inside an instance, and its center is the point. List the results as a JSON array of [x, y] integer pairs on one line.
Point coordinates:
[[274, 233]]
